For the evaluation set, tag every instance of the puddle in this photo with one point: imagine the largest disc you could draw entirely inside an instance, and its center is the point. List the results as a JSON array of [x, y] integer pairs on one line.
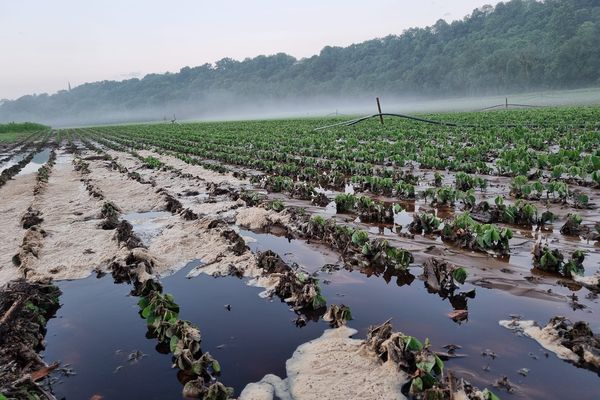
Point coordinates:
[[13, 161], [98, 318], [148, 225], [39, 159], [292, 250]]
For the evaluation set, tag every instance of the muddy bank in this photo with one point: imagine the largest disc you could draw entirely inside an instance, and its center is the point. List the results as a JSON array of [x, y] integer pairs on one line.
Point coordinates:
[[573, 342], [17, 196], [24, 310], [334, 366]]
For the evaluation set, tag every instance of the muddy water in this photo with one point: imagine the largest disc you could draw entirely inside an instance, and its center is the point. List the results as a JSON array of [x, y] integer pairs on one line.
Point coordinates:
[[38, 160], [147, 225], [13, 161], [311, 257], [98, 326], [413, 310]]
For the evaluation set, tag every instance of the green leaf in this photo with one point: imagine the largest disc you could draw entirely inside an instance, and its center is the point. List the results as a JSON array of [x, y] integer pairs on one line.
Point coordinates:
[[197, 368], [426, 365], [488, 395], [439, 366], [416, 385], [459, 275], [487, 238], [170, 298], [366, 249], [359, 238], [147, 312], [318, 301], [151, 319], [495, 235], [413, 344], [216, 367], [143, 303], [173, 343]]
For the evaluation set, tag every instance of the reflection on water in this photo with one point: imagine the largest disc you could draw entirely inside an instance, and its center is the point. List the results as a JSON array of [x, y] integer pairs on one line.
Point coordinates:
[[13, 161], [39, 159], [257, 335], [98, 325]]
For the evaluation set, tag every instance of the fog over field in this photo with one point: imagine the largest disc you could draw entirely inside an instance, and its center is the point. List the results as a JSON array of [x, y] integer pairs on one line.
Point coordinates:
[[231, 109], [527, 50]]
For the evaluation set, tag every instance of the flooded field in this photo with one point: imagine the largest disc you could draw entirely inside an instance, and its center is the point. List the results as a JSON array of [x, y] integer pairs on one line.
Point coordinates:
[[184, 279]]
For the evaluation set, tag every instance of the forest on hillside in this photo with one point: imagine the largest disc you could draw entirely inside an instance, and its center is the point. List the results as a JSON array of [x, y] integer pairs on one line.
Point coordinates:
[[516, 46]]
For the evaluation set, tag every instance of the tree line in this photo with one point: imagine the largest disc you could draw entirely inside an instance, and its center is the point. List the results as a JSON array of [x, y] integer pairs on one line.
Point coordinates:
[[517, 45]]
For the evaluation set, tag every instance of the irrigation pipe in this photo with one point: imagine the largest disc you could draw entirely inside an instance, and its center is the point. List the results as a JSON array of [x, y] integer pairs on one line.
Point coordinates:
[[509, 105], [444, 123], [428, 121]]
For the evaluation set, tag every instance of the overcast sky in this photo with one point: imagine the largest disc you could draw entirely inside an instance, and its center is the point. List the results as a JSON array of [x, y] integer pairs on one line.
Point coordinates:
[[47, 43]]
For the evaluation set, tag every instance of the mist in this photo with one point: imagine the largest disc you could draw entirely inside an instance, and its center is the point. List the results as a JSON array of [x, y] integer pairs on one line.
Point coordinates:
[[225, 108], [522, 49]]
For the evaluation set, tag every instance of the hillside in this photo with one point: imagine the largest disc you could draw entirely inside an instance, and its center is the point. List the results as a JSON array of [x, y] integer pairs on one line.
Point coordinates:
[[519, 45]]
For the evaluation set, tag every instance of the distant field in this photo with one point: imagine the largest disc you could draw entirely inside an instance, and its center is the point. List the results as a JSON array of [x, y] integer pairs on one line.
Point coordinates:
[[16, 131], [455, 228]]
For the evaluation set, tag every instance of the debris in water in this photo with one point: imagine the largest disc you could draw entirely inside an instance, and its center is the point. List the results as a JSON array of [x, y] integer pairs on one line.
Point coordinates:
[[574, 342], [337, 315], [489, 353], [505, 384], [458, 315], [135, 356]]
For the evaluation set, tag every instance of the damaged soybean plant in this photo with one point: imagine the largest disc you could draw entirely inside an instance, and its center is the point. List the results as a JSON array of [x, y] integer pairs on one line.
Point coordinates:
[[183, 339], [423, 366], [552, 260], [24, 310], [293, 285], [354, 244]]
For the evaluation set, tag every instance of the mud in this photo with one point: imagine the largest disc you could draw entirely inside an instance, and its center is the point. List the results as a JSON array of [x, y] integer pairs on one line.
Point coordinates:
[[195, 170], [255, 218], [334, 366], [574, 342], [24, 310], [18, 195], [73, 246]]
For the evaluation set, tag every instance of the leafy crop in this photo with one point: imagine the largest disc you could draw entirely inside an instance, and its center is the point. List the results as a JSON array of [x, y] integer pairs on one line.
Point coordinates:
[[153, 162]]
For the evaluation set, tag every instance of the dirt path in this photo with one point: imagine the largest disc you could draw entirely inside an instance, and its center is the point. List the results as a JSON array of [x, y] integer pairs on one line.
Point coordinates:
[[16, 196]]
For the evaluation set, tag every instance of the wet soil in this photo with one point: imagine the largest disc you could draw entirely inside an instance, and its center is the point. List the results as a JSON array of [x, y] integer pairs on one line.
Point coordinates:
[[258, 335]]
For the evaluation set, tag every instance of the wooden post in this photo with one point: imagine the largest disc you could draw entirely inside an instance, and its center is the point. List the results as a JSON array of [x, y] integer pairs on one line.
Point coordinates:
[[379, 108], [506, 103]]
